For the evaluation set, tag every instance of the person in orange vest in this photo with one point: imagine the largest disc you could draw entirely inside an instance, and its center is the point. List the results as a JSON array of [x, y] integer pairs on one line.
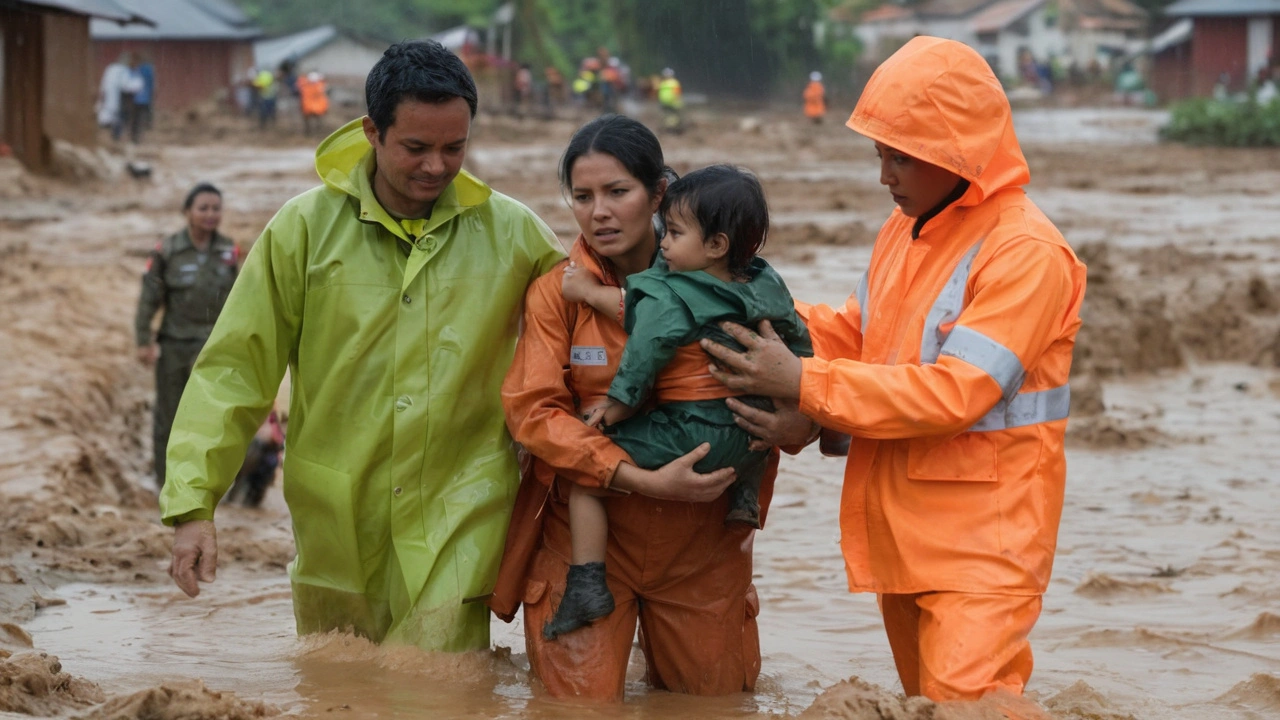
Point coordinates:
[[815, 98], [948, 366], [313, 93]]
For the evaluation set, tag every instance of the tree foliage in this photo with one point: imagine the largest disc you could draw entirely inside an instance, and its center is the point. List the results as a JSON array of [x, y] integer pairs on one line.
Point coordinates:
[[735, 47]]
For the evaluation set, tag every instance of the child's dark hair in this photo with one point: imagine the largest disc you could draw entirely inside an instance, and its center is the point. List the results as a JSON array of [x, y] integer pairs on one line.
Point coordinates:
[[198, 190], [421, 70], [724, 199]]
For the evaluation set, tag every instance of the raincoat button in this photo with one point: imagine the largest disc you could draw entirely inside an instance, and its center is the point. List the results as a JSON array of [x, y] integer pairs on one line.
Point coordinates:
[[407, 299], [397, 491], [404, 402]]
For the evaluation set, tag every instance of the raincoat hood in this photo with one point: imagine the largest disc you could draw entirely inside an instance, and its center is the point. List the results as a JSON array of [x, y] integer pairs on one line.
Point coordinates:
[[344, 162], [937, 100]]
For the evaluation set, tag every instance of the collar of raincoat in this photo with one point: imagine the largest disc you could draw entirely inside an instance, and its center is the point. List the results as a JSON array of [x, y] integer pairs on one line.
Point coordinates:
[[582, 255], [344, 162], [937, 100]]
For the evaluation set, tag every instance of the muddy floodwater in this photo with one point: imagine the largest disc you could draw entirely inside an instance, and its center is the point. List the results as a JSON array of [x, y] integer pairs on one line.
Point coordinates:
[[1165, 598]]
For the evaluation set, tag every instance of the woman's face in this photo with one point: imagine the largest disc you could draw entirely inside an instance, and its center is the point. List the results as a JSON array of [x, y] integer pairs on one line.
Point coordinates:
[[205, 213], [613, 209]]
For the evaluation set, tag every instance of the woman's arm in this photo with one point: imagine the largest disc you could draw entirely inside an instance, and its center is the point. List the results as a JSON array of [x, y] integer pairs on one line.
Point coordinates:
[[542, 416]]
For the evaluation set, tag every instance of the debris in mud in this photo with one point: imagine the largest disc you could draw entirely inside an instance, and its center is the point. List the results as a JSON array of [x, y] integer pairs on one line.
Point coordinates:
[[848, 234], [1086, 397], [189, 700], [856, 699], [34, 684], [1082, 702], [1107, 433], [1260, 693], [1265, 627], [1101, 586]]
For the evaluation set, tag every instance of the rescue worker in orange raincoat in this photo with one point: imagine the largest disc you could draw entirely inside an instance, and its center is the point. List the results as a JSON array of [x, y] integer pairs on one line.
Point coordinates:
[[672, 564], [949, 367], [314, 98], [815, 98]]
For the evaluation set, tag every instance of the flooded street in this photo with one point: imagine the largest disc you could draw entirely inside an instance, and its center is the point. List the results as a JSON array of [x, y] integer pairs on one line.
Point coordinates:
[[1165, 600]]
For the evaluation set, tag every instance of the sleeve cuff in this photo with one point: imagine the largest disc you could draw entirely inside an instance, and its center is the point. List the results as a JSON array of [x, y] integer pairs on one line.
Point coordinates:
[[813, 387], [197, 514]]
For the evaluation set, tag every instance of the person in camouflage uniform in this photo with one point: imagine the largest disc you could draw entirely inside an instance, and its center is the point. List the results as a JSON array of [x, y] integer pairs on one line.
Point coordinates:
[[189, 274]]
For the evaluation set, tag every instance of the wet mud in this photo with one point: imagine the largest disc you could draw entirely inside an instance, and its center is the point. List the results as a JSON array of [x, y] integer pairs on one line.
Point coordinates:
[[1165, 601]]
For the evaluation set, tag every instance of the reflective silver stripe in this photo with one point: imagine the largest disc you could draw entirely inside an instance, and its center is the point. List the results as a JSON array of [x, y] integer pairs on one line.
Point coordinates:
[[987, 355], [946, 309], [861, 293], [1027, 408]]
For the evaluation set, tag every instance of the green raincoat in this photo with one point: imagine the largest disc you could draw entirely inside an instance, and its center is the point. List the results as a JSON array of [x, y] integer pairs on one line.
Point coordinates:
[[400, 473]]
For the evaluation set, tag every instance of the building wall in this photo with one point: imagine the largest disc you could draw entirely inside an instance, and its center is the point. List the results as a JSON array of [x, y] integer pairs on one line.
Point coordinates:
[[22, 95], [69, 87], [1033, 33], [188, 72], [1171, 73], [1218, 45], [342, 59]]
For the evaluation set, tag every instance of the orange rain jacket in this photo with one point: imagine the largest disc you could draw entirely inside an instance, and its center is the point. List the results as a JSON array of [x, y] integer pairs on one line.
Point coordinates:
[[949, 364], [693, 573], [815, 100]]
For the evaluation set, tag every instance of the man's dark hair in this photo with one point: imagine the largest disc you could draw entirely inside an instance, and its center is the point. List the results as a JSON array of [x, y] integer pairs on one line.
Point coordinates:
[[421, 70], [723, 199]]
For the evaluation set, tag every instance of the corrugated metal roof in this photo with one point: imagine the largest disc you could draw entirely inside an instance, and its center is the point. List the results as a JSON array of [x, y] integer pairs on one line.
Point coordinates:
[[1184, 8], [174, 20], [270, 53], [106, 9], [1002, 14]]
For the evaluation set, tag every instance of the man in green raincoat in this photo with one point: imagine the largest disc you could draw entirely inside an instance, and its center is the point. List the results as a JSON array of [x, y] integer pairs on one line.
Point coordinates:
[[392, 294]]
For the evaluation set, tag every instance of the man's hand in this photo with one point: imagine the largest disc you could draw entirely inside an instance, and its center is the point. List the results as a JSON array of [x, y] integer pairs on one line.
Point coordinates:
[[195, 555], [578, 283], [785, 426], [147, 354], [768, 367], [677, 480]]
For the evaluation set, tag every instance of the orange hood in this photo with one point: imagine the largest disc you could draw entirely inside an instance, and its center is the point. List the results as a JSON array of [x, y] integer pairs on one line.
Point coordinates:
[[937, 100]]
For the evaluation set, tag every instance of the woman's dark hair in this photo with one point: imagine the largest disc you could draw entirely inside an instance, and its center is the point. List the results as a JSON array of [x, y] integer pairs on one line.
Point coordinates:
[[421, 70], [198, 190], [628, 141], [724, 199]]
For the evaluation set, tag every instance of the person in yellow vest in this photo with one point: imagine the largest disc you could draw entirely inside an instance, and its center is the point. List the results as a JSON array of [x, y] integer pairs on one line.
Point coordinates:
[[815, 98], [313, 93], [671, 100], [268, 90]]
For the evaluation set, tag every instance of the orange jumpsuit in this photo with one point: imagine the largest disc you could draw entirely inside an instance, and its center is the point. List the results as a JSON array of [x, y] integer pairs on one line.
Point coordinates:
[[815, 100], [949, 367], [673, 566]]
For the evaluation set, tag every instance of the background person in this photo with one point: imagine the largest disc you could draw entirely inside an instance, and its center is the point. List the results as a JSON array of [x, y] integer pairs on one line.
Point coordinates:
[[189, 275]]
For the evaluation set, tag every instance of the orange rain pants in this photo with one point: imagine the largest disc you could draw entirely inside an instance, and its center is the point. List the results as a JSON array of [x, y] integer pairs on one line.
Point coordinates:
[[673, 567], [948, 366], [815, 100], [939, 655]]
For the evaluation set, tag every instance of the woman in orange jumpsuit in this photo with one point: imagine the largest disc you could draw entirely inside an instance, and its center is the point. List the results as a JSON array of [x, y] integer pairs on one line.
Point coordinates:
[[949, 368], [672, 563]]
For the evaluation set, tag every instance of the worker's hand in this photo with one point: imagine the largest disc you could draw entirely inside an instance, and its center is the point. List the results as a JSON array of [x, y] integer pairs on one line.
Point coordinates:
[[785, 426], [677, 480], [195, 555], [147, 354], [768, 367], [578, 283]]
